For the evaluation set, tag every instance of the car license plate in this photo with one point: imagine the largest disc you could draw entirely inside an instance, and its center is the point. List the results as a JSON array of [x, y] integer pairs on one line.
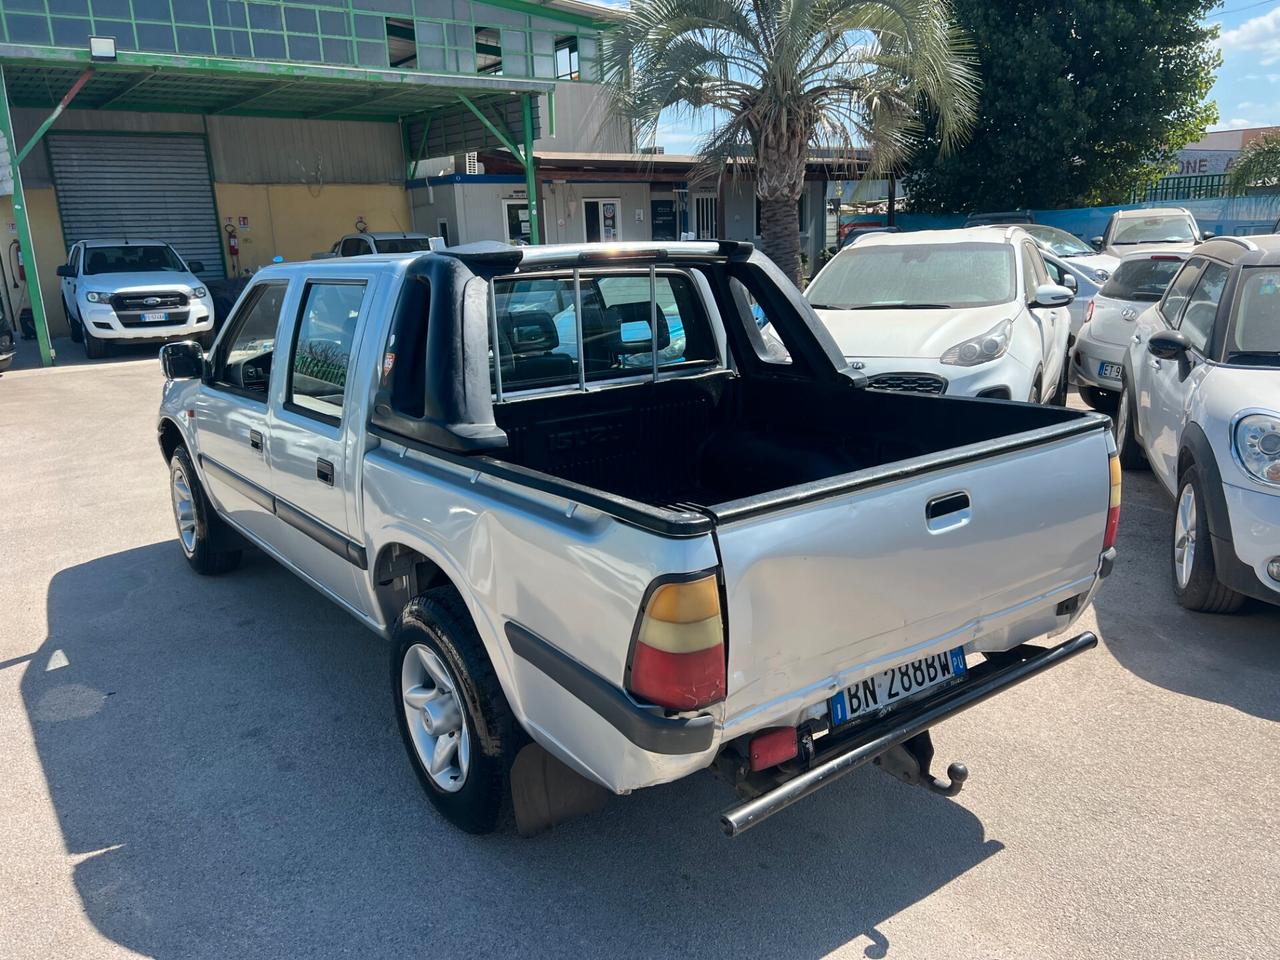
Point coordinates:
[[1111, 371], [155, 317], [886, 688]]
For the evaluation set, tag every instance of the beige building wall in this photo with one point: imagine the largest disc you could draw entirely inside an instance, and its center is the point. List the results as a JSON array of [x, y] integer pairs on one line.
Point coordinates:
[[46, 235]]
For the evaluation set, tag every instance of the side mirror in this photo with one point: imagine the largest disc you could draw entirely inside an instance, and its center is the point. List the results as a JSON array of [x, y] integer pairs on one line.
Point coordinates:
[[66, 270], [1208, 235], [196, 266], [1096, 243], [1069, 281], [182, 361], [1052, 295], [1171, 345]]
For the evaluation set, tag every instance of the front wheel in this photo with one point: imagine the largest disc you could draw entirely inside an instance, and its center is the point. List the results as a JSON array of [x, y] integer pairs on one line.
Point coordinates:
[[200, 531], [73, 325], [454, 719], [1059, 398], [1127, 447], [1195, 574], [94, 348]]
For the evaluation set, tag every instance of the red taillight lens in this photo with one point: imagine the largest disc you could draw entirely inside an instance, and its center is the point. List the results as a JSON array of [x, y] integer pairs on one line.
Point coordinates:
[[677, 660], [1113, 507], [772, 747], [1088, 313]]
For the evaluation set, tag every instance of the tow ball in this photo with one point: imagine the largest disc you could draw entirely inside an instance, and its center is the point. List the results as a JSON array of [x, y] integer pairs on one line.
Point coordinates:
[[909, 761]]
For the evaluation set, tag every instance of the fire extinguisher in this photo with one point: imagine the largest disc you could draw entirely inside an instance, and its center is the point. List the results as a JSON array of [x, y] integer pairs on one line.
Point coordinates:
[[233, 246], [18, 268]]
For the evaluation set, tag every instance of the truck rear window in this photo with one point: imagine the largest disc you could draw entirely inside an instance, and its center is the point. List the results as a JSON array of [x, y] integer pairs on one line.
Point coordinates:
[[541, 344]]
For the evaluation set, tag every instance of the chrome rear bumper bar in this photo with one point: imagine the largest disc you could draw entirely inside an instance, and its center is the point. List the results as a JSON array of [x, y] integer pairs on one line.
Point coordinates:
[[984, 681]]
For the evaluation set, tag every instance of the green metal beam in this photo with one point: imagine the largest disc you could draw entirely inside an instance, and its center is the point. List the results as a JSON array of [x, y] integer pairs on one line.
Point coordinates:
[[242, 102], [24, 230], [505, 140], [126, 90], [359, 104], [52, 118], [530, 174]]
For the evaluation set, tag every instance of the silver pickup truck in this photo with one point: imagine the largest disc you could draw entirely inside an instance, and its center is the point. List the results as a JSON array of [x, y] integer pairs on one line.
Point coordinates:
[[625, 514]]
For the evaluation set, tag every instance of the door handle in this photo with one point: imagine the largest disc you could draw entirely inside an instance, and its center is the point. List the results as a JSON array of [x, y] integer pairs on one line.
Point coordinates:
[[324, 470], [255, 439], [948, 511], [1154, 364]]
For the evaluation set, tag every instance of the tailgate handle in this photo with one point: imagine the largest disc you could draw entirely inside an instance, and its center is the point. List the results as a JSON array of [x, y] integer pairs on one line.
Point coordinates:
[[948, 511]]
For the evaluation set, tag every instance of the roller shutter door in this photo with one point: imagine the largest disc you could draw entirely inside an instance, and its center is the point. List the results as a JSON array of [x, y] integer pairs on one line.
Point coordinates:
[[138, 185]]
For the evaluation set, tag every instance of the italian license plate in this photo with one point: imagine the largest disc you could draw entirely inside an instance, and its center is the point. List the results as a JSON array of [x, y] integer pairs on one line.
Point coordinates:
[[886, 688], [1112, 371], [155, 316]]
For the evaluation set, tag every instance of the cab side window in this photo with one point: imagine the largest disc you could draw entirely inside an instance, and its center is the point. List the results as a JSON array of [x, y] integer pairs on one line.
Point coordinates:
[[323, 342], [1180, 289], [74, 262], [354, 247], [1202, 308], [244, 361]]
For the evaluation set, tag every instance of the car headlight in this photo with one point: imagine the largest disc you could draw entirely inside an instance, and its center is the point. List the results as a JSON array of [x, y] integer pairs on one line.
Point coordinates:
[[990, 346], [1101, 276], [199, 293], [97, 296], [1258, 446]]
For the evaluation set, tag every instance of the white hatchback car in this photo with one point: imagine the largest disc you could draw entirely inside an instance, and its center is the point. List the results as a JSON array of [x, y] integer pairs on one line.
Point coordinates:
[[1098, 353], [1167, 227], [1201, 405], [969, 312]]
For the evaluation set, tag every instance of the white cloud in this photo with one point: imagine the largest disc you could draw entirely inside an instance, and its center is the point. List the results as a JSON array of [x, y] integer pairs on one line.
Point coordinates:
[[1235, 123], [1260, 35]]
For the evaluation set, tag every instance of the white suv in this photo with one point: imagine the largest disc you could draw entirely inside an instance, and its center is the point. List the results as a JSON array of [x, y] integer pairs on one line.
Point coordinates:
[[969, 312], [133, 290], [1201, 405]]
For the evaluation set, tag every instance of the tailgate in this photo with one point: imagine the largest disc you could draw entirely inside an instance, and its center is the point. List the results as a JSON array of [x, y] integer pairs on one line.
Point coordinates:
[[913, 558]]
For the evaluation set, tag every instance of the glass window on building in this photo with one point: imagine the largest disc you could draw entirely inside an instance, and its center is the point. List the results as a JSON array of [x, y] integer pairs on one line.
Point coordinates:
[[567, 58]]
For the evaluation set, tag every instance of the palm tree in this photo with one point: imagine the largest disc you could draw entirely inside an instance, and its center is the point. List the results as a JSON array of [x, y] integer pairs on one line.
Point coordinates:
[[1257, 166], [782, 77]]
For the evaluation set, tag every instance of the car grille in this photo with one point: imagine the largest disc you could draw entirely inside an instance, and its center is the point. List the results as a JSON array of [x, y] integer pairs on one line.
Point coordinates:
[[909, 383], [138, 302]]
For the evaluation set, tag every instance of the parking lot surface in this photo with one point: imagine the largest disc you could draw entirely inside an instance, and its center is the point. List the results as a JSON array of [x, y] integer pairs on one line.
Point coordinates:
[[210, 768]]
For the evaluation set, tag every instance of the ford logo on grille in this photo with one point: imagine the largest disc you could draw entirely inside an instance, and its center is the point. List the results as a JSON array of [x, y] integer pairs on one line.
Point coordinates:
[[151, 302]]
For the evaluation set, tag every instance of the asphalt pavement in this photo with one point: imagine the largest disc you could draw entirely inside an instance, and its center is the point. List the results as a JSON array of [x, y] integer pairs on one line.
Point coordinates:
[[210, 768]]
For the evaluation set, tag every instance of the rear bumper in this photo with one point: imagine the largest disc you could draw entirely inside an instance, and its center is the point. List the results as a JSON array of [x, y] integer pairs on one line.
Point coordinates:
[[1087, 356], [846, 751]]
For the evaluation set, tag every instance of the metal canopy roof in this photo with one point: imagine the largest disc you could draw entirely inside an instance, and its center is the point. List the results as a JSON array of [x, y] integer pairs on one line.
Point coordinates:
[[166, 83]]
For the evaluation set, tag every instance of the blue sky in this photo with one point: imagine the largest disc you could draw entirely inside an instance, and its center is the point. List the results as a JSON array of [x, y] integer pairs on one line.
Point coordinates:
[[1248, 87]]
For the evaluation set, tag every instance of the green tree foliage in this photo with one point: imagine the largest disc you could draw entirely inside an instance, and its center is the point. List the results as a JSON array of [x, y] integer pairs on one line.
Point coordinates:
[[1257, 166], [782, 77], [1081, 103]]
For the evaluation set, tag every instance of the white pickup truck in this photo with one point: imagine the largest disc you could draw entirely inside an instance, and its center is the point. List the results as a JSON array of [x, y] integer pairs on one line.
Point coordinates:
[[614, 536]]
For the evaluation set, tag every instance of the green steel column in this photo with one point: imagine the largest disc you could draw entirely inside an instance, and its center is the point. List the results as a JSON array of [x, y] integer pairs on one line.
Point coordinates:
[[530, 172], [24, 230]]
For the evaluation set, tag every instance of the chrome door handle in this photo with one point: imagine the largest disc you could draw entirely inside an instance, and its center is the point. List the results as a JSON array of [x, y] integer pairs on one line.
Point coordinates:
[[324, 470], [1154, 364], [255, 439]]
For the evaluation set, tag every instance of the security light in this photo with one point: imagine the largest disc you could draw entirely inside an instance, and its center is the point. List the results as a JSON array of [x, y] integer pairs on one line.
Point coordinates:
[[102, 48]]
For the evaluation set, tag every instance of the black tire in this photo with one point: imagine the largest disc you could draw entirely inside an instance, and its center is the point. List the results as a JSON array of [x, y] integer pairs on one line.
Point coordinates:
[[1127, 446], [1203, 591], [94, 348], [439, 620], [1103, 400], [73, 325], [208, 552], [1059, 398], [1037, 387]]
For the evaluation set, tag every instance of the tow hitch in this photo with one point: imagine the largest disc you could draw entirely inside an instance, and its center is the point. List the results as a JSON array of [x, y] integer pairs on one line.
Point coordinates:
[[901, 738]]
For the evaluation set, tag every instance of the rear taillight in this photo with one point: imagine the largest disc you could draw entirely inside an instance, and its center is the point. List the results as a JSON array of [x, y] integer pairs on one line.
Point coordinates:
[[1088, 313], [677, 658], [1113, 507]]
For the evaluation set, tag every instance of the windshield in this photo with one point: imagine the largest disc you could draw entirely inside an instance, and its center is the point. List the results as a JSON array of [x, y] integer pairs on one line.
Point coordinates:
[[1255, 329], [132, 258], [1144, 279], [402, 244], [1059, 241], [1155, 230], [916, 276]]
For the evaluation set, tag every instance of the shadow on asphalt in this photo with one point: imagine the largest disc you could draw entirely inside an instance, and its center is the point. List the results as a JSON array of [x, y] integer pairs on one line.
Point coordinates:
[[1233, 660], [68, 353], [226, 769]]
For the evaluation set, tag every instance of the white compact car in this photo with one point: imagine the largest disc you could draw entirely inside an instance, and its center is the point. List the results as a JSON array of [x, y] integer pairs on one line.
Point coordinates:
[[1170, 228], [1096, 357], [133, 290], [1083, 258], [969, 312], [1201, 405]]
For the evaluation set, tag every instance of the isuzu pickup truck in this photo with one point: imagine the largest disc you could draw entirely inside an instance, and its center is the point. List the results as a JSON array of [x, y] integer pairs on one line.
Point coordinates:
[[617, 533]]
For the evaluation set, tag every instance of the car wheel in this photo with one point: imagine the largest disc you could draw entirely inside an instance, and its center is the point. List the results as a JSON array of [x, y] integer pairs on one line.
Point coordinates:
[[1103, 400], [1059, 398], [1036, 392], [73, 325], [200, 529], [455, 721], [94, 348], [1127, 447], [1195, 577]]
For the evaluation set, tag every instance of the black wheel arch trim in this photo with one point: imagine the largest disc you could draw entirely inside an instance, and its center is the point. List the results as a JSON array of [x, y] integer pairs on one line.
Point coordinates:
[[644, 727], [319, 531]]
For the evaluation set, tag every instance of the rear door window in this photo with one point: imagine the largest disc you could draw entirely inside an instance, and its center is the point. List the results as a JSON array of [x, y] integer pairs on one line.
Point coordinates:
[[323, 343], [537, 328]]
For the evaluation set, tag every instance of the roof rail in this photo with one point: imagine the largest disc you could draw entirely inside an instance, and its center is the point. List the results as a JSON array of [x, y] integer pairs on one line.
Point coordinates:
[[1243, 241]]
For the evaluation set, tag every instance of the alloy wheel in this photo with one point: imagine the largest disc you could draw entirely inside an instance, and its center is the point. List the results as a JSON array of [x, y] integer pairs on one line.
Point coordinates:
[[184, 508], [1184, 536], [434, 713]]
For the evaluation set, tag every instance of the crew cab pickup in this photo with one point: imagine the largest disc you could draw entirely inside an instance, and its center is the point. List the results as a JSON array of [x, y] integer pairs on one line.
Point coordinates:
[[616, 537]]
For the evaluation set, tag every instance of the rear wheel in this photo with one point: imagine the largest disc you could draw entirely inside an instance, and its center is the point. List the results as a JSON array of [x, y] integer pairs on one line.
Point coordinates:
[[455, 721], [1195, 576], [1127, 446], [201, 533], [1104, 400]]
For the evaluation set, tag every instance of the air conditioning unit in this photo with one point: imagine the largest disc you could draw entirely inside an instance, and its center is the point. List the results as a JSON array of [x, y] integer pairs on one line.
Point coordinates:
[[473, 164]]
